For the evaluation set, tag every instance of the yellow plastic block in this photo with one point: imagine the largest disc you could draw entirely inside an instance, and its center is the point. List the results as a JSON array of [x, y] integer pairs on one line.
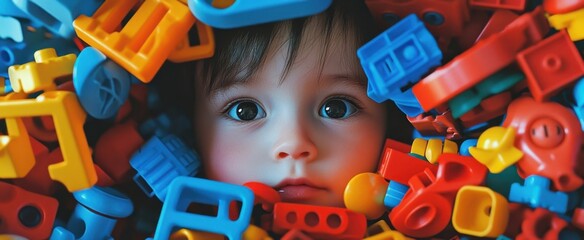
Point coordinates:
[[145, 41], [479, 211], [187, 234], [419, 146], [2, 86], [365, 193], [16, 154], [206, 48], [435, 148], [40, 75], [381, 231], [222, 3], [255, 233], [573, 22], [76, 171], [495, 149]]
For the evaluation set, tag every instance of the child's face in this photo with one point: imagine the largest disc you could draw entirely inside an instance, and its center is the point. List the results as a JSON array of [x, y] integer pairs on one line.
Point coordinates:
[[305, 136]]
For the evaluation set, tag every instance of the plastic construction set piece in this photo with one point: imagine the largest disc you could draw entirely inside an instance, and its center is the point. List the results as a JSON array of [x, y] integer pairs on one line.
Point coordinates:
[[242, 13], [495, 149], [365, 193], [394, 194], [411, 165], [479, 211], [573, 22], [536, 194], [396, 59], [41, 74], [432, 148], [578, 105]]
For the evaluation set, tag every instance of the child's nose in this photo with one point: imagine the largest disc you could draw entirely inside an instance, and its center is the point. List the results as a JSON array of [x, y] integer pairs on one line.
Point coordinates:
[[296, 146]]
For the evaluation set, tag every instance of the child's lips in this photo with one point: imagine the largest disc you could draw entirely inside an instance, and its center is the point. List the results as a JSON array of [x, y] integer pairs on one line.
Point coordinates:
[[298, 189]]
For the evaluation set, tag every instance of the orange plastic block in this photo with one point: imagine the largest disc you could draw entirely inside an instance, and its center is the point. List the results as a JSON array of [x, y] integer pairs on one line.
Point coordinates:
[[76, 171], [146, 40], [481, 61], [41, 74], [479, 211], [365, 193], [442, 124], [551, 65], [255, 233], [205, 49], [319, 221]]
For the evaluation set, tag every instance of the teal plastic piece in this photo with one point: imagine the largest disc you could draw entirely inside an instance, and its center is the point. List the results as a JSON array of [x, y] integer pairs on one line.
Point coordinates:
[[186, 190], [251, 12], [394, 194], [578, 105], [501, 182], [494, 84]]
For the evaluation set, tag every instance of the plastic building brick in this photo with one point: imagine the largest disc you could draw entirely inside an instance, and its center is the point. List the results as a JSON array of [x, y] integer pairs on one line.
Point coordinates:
[[551, 65], [255, 233], [578, 218], [186, 234], [38, 179], [57, 15], [398, 166], [573, 22], [578, 104], [319, 221], [495, 149], [295, 234], [159, 161], [432, 148], [518, 5], [541, 224], [264, 195], [489, 108], [145, 41], [185, 190], [501, 182], [76, 171], [479, 211], [115, 147], [96, 214], [498, 21], [206, 47], [481, 61], [394, 194], [466, 144], [381, 231], [492, 85], [536, 194], [365, 193], [397, 59], [246, 12], [25, 213], [562, 6], [11, 29], [41, 74], [102, 85], [7, 8], [549, 135], [16, 154], [441, 124]]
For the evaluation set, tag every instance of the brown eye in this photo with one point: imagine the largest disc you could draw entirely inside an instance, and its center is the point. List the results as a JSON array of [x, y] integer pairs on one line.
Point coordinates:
[[337, 108], [246, 110]]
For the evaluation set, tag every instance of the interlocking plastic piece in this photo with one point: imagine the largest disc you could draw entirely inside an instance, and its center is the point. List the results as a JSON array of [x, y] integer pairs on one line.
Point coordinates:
[[186, 234], [38, 179], [101, 85], [442, 124], [185, 190], [381, 231], [397, 59], [518, 5], [365, 193], [145, 41], [501, 182], [495, 149], [578, 104], [573, 22], [115, 147], [399, 166], [489, 108], [7, 8], [482, 60], [551, 65], [541, 224], [25, 213], [11, 29], [479, 211], [255, 233], [549, 135], [159, 161], [394, 194], [41, 74], [432, 148], [295, 234], [96, 214], [76, 171], [57, 15], [205, 49], [16, 153], [264, 195], [319, 221], [498, 21], [578, 218], [246, 12], [492, 85], [5, 86], [466, 144], [562, 6], [434, 192], [536, 194]]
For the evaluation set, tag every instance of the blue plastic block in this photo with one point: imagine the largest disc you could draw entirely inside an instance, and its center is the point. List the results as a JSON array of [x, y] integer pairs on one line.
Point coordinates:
[[7, 8], [161, 160], [497, 83], [11, 29], [578, 106], [418, 134], [101, 85], [397, 59], [503, 237], [7, 87], [186, 190], [250, 12], [536, 194], [96, 214], [57, 15], [467, 144], [395, 193]]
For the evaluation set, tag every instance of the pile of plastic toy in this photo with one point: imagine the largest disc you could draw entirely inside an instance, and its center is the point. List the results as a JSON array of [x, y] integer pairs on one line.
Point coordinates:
[[495, 90]]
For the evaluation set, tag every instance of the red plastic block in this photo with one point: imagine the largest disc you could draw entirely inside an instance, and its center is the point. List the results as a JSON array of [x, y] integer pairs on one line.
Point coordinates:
[[518, 5], [295, 234], [399, 166], [550, 137], [38, 179], [498, 21], [517, 213], [442, 124], [562, 6], [551, 65], [541, 224], [114, 149], [25, 213], [36, 129], [264, 195], [482, 60], [578, 218], [488, 109], [319, 221], [454, 12]]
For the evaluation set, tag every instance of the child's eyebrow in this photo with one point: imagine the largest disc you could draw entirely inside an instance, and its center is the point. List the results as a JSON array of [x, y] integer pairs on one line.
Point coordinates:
[[345, 79]]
